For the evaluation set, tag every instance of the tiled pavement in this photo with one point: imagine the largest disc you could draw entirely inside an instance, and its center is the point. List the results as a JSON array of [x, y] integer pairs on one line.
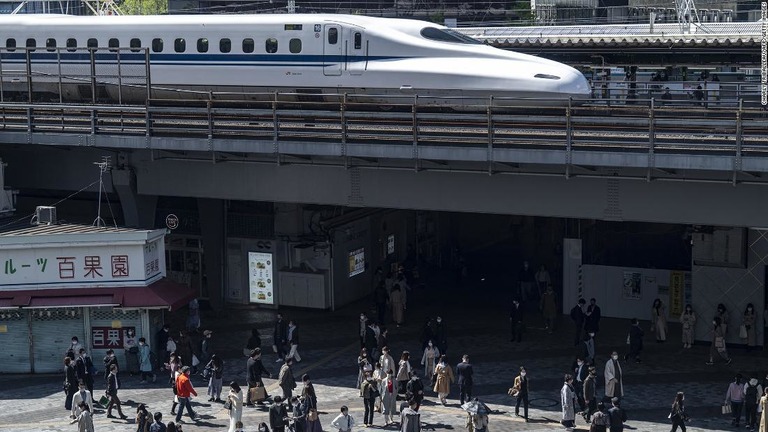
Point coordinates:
[[477, 326]]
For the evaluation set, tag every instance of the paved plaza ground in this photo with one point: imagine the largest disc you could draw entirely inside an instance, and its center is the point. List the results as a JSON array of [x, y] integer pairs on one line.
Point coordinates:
[[477, 326]]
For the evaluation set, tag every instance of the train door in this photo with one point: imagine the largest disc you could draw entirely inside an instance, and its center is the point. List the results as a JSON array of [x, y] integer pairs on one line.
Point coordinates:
[[332, 50], [357, 52]]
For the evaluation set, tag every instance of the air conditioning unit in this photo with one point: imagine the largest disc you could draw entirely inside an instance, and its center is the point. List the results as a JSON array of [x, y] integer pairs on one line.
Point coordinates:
[[45, 215]]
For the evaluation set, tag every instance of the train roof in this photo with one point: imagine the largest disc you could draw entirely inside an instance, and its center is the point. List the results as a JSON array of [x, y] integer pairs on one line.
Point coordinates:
[[198, 20]]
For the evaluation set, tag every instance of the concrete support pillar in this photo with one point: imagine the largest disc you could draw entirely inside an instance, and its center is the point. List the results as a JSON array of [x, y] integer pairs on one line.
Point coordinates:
[[138, 210], [213, 229]]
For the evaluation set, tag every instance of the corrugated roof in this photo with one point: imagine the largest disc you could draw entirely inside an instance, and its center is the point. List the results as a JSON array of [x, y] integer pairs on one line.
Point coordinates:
[[734, 33], [40, 230]]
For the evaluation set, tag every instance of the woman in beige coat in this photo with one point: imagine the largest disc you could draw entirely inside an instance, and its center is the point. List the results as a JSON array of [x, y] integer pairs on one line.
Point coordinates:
[[444, 379], [764, 412], [659, 320], [397, 299], [749, 324]]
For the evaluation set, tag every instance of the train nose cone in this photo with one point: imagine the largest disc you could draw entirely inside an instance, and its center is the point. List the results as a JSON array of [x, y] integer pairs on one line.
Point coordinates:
[[574, 84]]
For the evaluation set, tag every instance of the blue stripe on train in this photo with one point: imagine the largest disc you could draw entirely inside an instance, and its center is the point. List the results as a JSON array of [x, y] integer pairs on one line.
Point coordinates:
[[191, 58]]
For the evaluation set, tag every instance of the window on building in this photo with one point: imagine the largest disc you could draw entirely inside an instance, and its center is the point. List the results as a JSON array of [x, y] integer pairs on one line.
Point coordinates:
[[358, 40], [157, 45], [333, 36], [71, 44], [294, 46], [225, 45], [271, 45], [135, 44], [202, 45], [92, 43], [248, 45], [50, 44], [31, 43], [180, 45]]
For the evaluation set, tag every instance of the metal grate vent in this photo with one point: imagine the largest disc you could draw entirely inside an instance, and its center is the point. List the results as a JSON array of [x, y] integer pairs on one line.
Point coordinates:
[[108, 314]]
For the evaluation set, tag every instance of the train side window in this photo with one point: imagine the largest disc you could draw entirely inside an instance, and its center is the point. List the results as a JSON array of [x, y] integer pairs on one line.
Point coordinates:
[[294, 46], [114, 43], [135, 44], [10, 43], [225, 45], [202, 45], [333, 36], [50, 44], [271, 45], [31, 43], [248, 45], [92, 43], [157, 45], [358, 40], [180, 45], [71, 44]]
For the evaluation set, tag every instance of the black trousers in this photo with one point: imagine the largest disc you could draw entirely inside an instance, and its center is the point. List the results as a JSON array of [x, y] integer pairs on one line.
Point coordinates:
[[517, 332], [750, 413], [381, 310], [368, 415], [736, 409], [678, 423], [71, 390], [114, 402], [522, 398], [465, 392], [579, 387]]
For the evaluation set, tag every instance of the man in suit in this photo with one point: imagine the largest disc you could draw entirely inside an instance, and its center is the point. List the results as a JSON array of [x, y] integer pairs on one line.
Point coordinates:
[[255, 369], [113, 384], [578, 316], [580, 373], [280, 335], [516, 321], [464, 372]]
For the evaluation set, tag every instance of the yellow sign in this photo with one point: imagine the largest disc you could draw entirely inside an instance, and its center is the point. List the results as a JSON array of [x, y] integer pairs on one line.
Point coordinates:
[[676, 292], [3, 328], [116, 324]]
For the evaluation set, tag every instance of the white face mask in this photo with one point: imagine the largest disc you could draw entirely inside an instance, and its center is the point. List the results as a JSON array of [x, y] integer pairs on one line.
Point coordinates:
[[591, 335], [522, 374], [430, 344], [581, 363], [439, 321], [615, 357]]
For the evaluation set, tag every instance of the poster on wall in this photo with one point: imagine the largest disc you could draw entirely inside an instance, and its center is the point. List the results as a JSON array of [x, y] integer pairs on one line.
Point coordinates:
[[391, 244], [356, 262], [260, 277], [676, 292], [632, 286]]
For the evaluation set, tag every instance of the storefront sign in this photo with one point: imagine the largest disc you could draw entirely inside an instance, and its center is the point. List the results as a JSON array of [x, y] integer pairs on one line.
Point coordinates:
[[260, 277], [356, 262], [93, 265], [172, 221], [108, 337]]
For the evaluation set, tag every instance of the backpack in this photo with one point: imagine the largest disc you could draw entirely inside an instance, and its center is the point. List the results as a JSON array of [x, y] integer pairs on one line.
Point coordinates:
[[751, 393]]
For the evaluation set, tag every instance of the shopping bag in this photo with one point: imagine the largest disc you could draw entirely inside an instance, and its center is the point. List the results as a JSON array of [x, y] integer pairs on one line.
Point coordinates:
[[104, 400], [195, 360], [743, 332], [258, 394], [726, 408]]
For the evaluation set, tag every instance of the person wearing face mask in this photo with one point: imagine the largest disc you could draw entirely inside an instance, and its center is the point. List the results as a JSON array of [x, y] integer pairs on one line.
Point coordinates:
[[718, 343], [386, 360], [590, 394], [109, 360], [521, 389], [389, 398], [428, 360], [441, 335], [580, 373], [688, 321], [568, 403], [145, 361], [363, 326], [614, 385], [444, 379], [748, 323]]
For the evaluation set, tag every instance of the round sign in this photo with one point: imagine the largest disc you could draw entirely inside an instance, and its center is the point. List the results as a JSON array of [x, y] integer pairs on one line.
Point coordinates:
[[172, 221]]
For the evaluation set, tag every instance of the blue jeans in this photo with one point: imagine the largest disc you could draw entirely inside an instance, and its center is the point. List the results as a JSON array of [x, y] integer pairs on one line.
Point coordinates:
[[184, 402]]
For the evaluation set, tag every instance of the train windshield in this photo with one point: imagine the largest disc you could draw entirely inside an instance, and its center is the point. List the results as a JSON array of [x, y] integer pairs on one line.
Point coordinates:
[[447, 35]]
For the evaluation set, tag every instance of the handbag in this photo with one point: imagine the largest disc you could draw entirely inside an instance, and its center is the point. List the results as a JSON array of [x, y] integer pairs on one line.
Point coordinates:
[[312, 416], [513, 391], [720, 343], [743, 331], [104, 400], [228, 404], [726, 408]]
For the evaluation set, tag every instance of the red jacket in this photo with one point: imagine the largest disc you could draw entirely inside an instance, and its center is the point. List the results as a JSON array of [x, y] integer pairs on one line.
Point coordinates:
[[184, 387]]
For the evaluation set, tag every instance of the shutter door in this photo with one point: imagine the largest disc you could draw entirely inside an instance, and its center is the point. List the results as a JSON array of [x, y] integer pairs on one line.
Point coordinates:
[[14, 339], [52, 331], [102, 320]]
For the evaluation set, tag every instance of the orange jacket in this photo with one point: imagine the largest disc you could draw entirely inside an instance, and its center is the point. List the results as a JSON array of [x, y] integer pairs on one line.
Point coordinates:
[[184, 387]]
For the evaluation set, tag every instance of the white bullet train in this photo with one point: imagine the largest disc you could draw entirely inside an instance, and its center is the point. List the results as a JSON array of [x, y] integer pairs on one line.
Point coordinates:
[[312, 53]]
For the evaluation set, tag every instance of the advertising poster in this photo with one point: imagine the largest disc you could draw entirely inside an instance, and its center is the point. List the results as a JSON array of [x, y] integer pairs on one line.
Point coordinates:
[[676, 292], [260, 277], [633, 285], [356, 262]]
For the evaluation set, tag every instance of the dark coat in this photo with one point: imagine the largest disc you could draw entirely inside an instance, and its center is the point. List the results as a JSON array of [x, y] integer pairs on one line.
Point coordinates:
[[617, 416], [464, 374], [294, 336], [277, 414], [441, 333], [70, 376], [516, 314], [108, 362], [370, 340], [592, 321], [161, 341], [113, 383], [635, 338], [280, 333], [255, 370], [308, 392], [577, 315]]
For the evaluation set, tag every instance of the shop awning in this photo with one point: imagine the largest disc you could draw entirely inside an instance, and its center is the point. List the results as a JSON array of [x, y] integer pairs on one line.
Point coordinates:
[[163, 294]]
